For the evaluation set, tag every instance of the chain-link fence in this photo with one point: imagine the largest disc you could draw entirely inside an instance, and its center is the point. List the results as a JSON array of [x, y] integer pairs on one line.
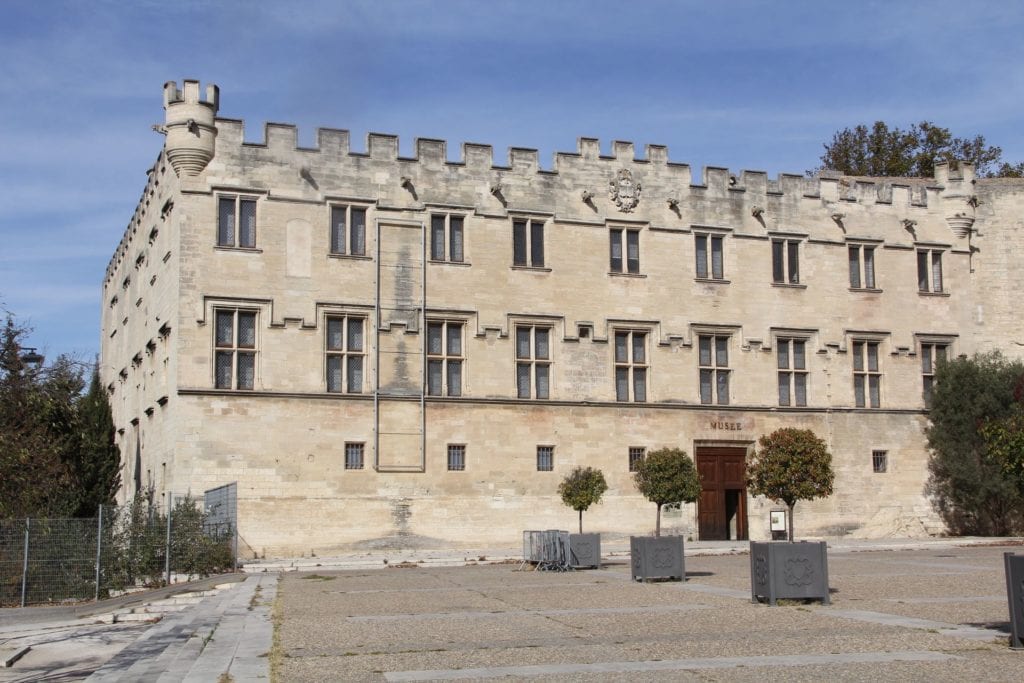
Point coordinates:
[[48, 561]]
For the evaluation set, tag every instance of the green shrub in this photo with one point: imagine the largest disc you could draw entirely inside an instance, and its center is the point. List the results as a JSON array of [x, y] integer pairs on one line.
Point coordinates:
[[974, 483]]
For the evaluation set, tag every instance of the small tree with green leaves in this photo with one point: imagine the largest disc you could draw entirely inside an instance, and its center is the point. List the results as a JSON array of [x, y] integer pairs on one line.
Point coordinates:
[[667, 476], [582, 488], [791, 465]]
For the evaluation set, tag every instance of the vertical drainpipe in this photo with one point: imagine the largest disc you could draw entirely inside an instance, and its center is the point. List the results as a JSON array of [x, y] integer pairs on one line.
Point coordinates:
[[376, 360], [423, 346]]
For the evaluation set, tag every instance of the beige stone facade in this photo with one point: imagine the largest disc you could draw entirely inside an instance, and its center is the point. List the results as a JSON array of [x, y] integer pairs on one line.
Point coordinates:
[[503, 319]]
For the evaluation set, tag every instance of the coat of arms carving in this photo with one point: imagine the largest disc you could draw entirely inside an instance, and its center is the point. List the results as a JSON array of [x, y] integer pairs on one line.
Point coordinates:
[[624, 191]]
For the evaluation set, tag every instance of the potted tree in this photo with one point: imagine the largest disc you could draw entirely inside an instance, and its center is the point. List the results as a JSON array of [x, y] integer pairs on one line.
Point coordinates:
[[790, 465], [580, 489], [664, 476]]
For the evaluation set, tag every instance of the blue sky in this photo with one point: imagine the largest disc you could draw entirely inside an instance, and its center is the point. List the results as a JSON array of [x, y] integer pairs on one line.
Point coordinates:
[[742, 84]]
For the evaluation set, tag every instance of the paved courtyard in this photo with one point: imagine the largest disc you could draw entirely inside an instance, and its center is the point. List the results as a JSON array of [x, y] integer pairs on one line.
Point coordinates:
[[908, 615]]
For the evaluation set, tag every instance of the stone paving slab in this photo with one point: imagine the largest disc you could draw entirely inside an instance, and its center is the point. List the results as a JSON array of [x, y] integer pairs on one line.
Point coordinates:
[[670, 665], [238, 623], [427, 623], [64, 650], [170, 650], [917, 611], [203, 643], [250, 661], [19, 617], [613, 547], [910, 622]]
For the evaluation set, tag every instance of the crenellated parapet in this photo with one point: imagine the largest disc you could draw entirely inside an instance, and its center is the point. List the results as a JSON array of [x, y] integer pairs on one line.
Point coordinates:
[[587, 185], [577, 182]]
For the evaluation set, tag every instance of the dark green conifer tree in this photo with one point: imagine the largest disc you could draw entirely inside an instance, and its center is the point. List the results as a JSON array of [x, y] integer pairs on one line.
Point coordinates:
[[96, 464]]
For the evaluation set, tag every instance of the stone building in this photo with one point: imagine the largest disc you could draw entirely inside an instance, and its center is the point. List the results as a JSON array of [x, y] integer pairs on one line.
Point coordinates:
[[381, 349]]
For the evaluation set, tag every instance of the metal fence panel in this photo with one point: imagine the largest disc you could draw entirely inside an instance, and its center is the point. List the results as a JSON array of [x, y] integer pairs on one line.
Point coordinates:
[[61, 560], [220, 506], [49, 561], [12, 553]]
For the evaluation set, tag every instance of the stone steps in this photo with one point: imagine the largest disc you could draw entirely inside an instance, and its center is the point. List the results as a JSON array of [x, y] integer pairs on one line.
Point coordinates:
[[158, 649], [132, 616], [201, 637], [153, 610]]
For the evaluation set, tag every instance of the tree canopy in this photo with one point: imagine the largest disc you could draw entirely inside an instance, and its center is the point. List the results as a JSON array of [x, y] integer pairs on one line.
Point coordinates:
[[791, 465], [97, 466], [57, 453], [1004, 445], [34, 477], [884, 151], [582, 488], [974, 436], [666, 476]]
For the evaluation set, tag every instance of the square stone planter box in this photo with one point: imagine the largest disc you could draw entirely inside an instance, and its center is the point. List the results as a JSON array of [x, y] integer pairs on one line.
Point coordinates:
[[1015, 596], [657, 557], [780, 570], [584, 550]]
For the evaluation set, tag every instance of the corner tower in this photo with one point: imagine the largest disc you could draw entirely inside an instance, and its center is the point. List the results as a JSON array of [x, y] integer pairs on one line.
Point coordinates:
[[189, 123]]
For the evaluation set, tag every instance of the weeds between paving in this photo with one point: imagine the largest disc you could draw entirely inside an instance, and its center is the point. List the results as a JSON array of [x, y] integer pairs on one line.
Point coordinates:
[[276, 656]]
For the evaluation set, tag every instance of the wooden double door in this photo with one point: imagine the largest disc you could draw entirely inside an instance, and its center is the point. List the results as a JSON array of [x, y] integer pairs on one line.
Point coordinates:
[[722, 507]]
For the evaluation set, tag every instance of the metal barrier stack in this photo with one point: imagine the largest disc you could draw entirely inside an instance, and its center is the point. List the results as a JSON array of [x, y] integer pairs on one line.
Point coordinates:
[[547, 550]]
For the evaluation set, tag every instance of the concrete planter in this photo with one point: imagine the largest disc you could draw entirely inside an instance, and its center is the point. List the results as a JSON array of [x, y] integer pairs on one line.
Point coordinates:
[[794, 571], [657, 557], [584, 550], [1015, 596]]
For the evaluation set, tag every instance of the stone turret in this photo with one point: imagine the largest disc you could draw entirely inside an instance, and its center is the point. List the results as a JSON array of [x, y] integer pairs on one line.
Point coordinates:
[[958, 195], [189, 124]]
